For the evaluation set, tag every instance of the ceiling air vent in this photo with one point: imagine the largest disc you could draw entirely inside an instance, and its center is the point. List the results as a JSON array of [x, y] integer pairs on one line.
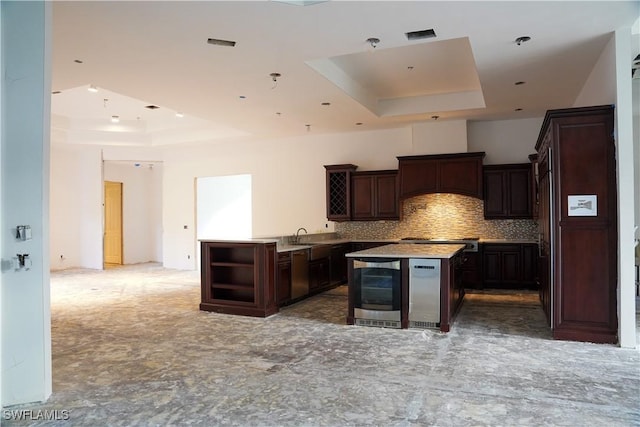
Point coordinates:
[[218, 42], [422, 34], [152, 107]]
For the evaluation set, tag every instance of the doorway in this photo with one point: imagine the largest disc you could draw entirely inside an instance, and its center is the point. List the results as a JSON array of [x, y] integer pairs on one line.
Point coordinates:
[[112, 223]]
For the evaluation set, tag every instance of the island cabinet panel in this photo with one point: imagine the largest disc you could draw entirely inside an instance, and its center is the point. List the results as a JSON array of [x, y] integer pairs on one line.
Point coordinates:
[[238, 278], [472, 270], [459, 173], [507, 191], [338, 189], [578, 222], [374, 195]]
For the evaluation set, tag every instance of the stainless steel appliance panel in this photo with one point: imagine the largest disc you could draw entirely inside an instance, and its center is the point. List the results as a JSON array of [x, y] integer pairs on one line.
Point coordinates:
[[361, 313], [424, 290], [299, 273]]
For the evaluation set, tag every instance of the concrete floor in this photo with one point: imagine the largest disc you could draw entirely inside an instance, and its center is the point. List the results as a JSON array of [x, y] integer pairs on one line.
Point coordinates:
[[130, 347]]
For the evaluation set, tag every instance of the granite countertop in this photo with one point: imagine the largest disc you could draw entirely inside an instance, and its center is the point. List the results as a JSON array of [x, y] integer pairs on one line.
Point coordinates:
[[409, 250], [248, 240]]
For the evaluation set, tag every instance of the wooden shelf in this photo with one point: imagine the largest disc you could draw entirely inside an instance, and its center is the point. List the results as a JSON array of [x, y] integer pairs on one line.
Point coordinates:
[[238, 278]]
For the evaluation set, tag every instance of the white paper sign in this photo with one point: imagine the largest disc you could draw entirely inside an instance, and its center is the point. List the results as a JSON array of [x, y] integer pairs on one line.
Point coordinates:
[[583, 205]]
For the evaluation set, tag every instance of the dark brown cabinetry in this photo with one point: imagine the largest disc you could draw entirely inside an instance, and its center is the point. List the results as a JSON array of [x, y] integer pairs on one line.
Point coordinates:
[[238, 278], [283, 278], [459, 173], [471, 270], [338, 188], [509, 265], [319, 276], [507, 191], [374, 195], [338, 271], [578, 223]]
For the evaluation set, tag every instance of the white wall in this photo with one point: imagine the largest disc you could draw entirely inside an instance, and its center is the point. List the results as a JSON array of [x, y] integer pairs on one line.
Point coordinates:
[[600, 87], [76, 207], [440, 137], [141, 208], [25, 325], [288, 180], [504, 141]]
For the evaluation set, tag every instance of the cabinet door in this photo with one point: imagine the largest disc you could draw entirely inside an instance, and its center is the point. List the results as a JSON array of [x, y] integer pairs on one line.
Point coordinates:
[[511, 265], [494, 195], [362, 192], [491, 266], [386, 196], [283, 280], [338, 189], [529, 265], [518, 184]]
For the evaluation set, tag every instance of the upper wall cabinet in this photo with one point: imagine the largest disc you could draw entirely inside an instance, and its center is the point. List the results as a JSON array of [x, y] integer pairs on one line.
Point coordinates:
[[507, 191], [459, 173], [339, 191], [374, 195]]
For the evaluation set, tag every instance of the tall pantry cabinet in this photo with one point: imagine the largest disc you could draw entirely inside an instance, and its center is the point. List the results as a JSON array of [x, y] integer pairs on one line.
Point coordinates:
[[578, 223]]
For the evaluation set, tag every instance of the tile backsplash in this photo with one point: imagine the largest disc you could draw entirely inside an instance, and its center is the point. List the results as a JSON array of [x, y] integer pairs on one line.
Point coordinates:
[[441, 216]]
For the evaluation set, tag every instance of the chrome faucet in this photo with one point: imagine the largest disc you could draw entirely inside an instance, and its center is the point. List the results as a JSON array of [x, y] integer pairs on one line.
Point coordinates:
[[298, 232]]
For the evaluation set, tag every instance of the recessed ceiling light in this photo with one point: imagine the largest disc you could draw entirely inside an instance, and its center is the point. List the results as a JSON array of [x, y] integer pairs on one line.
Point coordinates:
[[77, 61], [55, 92], [242, 97], [218, 42], [115, 119], [522, 39], [152, 107], [326, 104], [422, 34], [359, 124], [435, 117], [410, 68], [519, 83], [92, 88], [373, 41], [518, 109]]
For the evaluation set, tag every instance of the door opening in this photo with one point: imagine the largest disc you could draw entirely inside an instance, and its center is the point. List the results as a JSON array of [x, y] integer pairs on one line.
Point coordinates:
[[112, 224]]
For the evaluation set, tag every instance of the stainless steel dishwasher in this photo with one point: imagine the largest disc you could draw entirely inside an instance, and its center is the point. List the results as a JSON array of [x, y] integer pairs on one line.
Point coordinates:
[[424, 293], [299, 273]]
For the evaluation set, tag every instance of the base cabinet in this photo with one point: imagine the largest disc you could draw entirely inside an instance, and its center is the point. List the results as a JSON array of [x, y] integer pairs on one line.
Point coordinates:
[[319, 278], [238, 278], [509, 265]]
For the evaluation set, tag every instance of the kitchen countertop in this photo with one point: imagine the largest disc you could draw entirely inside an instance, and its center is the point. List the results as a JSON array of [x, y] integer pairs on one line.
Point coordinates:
[[410, 250]]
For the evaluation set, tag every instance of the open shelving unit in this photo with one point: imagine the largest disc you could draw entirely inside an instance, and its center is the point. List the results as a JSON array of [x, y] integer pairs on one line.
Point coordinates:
[[238, 278]]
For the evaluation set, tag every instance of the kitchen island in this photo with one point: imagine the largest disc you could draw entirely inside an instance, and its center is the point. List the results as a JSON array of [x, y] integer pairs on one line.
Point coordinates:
[[384, 294]]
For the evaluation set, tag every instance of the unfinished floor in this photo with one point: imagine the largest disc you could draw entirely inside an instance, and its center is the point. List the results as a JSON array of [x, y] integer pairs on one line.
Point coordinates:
[[131, 348]]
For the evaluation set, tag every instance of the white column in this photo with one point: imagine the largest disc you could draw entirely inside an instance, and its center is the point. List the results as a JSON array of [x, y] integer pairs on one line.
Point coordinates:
[[624, 138], [25, 328]]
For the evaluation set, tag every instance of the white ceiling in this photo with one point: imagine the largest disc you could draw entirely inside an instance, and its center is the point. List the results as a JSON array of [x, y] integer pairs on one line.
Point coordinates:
[[156, 53]]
